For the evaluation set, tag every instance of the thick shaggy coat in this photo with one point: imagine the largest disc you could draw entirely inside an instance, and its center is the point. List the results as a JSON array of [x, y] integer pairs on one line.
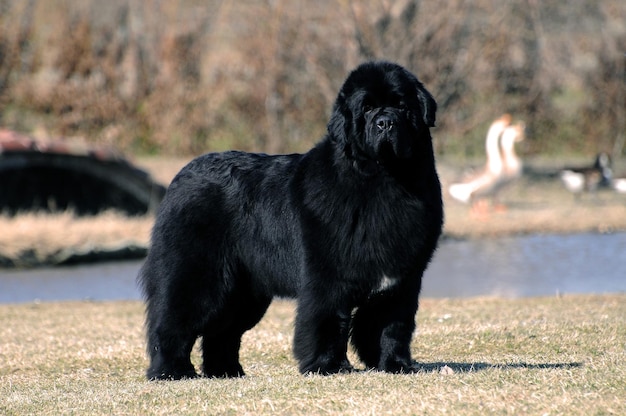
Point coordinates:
[[347, 228]]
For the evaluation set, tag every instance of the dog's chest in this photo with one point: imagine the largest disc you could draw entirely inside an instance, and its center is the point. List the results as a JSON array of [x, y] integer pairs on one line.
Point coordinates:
[[384, 284]]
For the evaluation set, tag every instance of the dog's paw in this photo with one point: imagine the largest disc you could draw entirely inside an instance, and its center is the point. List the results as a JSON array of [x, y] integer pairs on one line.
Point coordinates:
[[327, 368], [398, 365]]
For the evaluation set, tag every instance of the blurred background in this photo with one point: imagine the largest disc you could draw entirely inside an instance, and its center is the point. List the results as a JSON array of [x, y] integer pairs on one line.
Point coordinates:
[[162, 81], [184, 77]]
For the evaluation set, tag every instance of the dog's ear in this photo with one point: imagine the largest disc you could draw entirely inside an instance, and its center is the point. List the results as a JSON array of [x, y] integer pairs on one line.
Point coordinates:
[[427, 104], [337, 125]]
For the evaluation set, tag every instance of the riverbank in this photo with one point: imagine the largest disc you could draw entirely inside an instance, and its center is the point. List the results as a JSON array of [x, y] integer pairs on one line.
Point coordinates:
[[557, 355], [530, 206]]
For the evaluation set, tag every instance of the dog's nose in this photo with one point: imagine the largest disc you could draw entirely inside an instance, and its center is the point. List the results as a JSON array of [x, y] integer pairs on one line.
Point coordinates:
[[384, 123]]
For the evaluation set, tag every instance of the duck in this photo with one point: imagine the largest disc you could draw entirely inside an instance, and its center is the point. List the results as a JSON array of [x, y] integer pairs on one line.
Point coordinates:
[[588, 178], [483, 182]]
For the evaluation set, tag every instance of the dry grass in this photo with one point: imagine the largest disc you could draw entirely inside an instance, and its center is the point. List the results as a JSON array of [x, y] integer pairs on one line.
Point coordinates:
[[479, 356], [38, 239]]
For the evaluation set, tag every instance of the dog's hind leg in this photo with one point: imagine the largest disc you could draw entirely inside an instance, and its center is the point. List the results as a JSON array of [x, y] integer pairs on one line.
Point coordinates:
[[175, 316], [169, 352], [220, 354], [220, 346]]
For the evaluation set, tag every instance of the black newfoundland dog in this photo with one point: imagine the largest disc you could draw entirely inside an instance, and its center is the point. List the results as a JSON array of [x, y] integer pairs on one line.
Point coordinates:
[[347, 228]]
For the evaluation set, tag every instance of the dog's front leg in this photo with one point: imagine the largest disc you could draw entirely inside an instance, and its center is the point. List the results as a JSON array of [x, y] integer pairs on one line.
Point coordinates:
[[395, 355], [382, 329], [321, 336]]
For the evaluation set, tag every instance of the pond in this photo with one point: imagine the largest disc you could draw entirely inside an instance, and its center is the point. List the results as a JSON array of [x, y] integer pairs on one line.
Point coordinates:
[[537, 265]]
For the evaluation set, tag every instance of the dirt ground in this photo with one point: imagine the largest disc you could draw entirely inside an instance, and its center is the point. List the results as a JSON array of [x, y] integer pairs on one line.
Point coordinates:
[[536, 203]]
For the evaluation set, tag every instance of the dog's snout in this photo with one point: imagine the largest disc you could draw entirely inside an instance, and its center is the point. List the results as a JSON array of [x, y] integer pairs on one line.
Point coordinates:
[[384, 123]]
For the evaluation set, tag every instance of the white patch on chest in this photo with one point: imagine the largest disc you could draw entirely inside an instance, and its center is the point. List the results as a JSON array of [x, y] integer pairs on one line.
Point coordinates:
[[385, 283]]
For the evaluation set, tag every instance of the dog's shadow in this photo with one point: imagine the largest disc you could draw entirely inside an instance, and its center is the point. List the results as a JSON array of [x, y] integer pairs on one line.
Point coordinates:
[[452, 367]]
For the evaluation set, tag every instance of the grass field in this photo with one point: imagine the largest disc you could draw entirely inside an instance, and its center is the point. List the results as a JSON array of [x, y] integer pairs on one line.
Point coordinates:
[[541, 356]]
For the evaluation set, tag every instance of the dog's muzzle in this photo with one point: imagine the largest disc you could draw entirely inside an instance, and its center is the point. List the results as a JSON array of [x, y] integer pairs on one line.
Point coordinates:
[[385, 136], [384, 123]]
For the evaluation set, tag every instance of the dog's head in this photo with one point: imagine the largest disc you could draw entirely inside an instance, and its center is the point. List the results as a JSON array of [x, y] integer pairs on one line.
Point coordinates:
[[382, 113]]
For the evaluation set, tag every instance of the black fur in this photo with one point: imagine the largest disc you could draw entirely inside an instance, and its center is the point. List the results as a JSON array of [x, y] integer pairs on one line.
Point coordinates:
[[347, 228]]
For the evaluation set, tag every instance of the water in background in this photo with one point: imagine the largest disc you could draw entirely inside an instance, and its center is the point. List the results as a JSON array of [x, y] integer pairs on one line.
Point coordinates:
[[537, 265]]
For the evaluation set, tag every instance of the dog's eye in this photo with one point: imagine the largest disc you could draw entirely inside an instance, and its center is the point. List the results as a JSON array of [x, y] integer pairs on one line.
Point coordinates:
[[367, 108]]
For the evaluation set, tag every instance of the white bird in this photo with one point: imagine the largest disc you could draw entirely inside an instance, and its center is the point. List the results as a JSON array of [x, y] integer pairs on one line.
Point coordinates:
[[511, 164], [485, 181]]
